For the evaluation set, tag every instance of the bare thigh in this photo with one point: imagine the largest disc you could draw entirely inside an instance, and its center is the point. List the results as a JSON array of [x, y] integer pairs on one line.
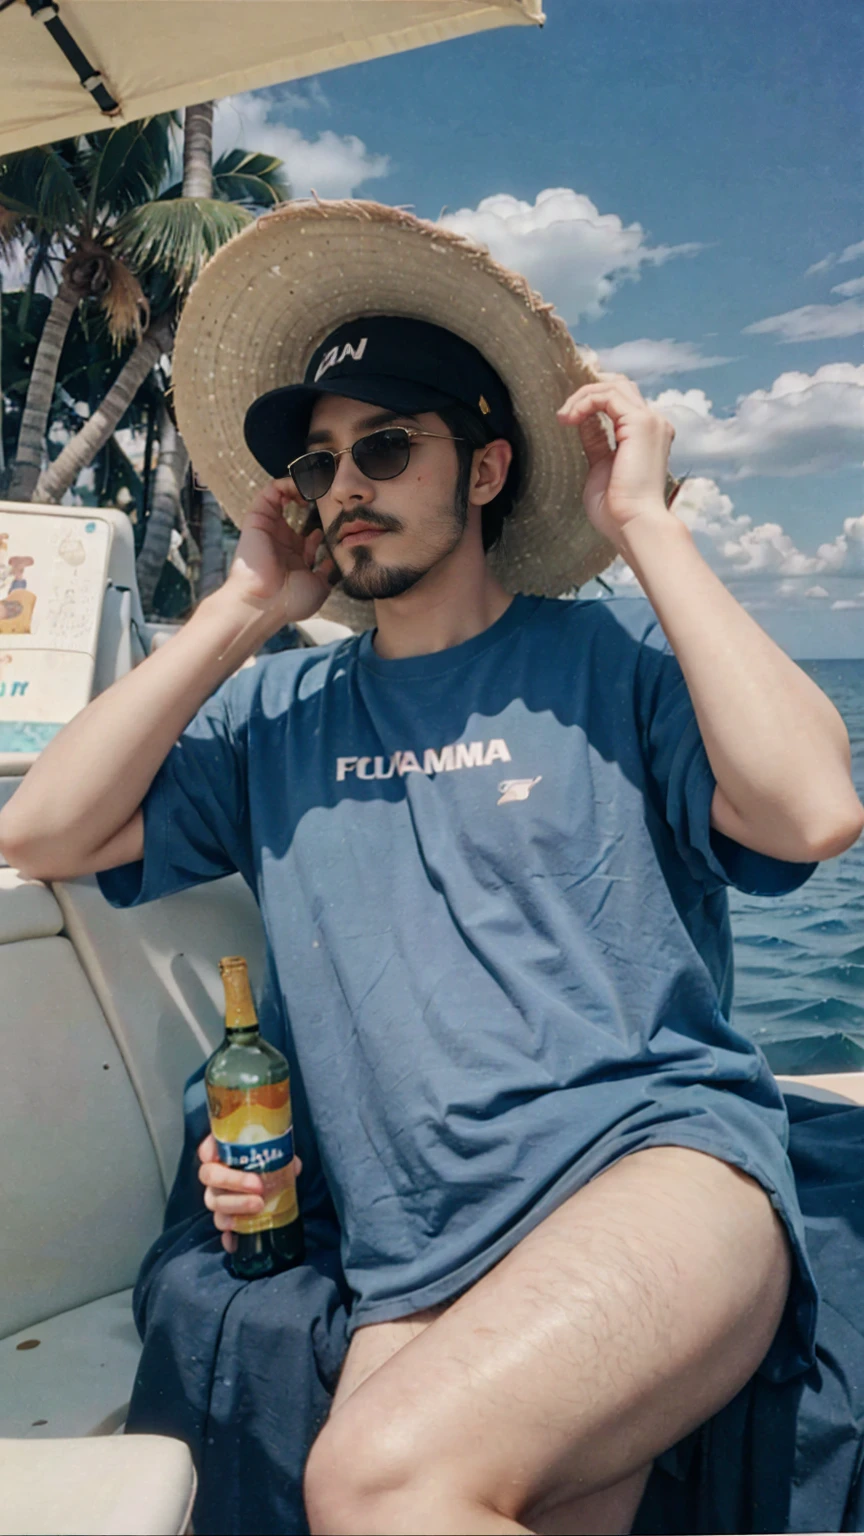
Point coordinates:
[[624, 1320], [606, 1513], [372, 1346]]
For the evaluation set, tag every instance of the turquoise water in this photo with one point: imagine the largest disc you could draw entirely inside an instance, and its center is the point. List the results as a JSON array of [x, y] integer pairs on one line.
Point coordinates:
[[799, 960]]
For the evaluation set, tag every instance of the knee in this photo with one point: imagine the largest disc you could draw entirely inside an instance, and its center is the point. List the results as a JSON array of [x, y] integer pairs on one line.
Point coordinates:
[[360, 1474]]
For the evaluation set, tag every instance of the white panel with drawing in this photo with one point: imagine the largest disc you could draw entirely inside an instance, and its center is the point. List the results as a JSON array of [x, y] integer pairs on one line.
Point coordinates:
[[52, 583]]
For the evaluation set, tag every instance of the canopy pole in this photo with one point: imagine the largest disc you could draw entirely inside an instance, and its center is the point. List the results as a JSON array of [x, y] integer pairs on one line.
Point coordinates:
[[48, 12]]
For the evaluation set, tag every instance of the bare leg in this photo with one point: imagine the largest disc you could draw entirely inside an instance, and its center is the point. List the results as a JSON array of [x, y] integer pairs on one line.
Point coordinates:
[[607, 1513], [623, 1321]]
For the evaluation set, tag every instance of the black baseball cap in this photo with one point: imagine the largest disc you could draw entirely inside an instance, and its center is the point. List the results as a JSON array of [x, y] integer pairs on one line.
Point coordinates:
[[399, 364]]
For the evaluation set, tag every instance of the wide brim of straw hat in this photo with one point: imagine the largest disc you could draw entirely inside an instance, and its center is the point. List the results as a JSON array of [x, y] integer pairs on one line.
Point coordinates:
[[269, 297]]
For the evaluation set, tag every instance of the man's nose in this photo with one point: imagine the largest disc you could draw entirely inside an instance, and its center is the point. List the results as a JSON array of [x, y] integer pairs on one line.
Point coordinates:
[[350, 486]]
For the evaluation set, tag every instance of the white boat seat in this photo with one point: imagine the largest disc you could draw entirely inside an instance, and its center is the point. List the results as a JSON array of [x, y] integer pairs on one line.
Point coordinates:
[[71, 1374], [27, 908], [87, 1199], [155, 972], [135, 1485], [113, 1011]]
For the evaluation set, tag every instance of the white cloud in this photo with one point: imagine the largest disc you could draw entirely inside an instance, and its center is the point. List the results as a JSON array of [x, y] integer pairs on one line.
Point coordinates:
[[851, 253], [333, 165], [846, 552], [813, 322], [846, 602], [576, 256], [646, 360], [804, 424], [735, 548], [299, 96], [848, 290]]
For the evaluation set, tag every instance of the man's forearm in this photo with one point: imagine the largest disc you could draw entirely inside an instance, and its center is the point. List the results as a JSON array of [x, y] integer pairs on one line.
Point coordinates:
[[777, 746], [92, 777]]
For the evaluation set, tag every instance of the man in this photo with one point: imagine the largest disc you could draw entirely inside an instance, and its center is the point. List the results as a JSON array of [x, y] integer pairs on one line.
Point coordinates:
[[490, 839]]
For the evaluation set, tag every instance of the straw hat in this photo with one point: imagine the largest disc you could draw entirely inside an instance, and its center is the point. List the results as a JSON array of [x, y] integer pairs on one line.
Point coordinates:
[[270, 296]]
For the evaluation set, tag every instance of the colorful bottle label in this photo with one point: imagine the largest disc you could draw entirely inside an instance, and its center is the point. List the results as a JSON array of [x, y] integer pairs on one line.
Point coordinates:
[[257, 1156], [252, 1128]]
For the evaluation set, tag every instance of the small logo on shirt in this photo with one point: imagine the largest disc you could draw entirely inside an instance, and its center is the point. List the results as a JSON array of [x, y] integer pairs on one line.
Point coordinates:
[[516, 789]]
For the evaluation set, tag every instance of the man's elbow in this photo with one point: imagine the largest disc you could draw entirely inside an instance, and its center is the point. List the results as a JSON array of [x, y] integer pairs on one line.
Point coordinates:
[[13, 846], [828, 836], [27, 854]]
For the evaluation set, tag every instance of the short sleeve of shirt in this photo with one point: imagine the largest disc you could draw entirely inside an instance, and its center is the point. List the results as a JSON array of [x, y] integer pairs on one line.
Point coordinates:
[[196, 813], [684, 781]]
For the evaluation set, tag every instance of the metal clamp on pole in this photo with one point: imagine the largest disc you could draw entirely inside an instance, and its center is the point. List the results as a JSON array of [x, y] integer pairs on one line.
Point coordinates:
[[48, 12]]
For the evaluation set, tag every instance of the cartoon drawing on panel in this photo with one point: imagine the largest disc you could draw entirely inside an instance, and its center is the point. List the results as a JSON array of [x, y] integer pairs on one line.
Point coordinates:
[[17, 603]]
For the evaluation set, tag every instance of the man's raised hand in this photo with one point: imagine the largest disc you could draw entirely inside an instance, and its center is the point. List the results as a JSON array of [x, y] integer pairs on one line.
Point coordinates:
[[274, 566], [628, 480]]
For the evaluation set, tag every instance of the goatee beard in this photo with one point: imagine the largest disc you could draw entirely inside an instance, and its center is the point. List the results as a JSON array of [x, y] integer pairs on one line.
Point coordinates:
[[368, 581]]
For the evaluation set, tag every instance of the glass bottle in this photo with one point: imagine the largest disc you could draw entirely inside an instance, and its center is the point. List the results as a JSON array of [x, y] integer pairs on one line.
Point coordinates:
[[249, 1099]]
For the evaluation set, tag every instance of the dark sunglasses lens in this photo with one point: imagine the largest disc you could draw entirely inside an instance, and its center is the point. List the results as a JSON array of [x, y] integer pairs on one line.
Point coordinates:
[[383, 455], [314, 474]]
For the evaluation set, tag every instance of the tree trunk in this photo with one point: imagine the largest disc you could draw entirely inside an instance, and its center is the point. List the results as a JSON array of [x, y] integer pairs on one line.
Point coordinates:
[[83, 447], [170, 472], [198, 150], [212, 546], [149, 444], [40, 393]]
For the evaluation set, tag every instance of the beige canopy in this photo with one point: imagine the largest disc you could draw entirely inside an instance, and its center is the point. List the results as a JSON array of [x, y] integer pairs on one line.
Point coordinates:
[[151, 56]]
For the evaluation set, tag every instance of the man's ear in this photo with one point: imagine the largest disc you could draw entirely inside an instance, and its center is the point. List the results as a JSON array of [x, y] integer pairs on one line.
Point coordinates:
[[489, 472]]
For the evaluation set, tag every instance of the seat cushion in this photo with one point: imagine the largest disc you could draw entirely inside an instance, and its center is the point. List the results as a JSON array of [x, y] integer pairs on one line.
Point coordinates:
[[27, 908], [137, 1485], [86, 1200], [72, 1374], [155, 971]]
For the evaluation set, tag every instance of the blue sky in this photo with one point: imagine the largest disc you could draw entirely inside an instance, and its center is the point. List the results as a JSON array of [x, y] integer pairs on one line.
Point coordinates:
[[699, 160]]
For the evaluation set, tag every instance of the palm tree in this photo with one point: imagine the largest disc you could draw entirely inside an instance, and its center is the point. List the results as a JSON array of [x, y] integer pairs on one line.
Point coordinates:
[[169, 240], [164, 239], [67, 198]]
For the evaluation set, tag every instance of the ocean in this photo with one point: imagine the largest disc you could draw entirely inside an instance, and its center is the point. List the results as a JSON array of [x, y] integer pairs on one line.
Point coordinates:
[[799, 959]]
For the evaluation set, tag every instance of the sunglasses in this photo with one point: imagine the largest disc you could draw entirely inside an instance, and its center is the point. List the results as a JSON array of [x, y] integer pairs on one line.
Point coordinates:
[[380, 456]]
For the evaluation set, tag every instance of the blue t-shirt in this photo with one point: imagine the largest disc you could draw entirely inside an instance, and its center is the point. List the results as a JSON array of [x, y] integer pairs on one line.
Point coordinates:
[[498, 917]]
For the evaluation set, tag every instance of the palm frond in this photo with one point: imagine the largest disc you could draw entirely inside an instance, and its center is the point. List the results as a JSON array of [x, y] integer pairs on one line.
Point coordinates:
[[124, 305], [176, 237], [251, 179], [38, 185], [128, 165]]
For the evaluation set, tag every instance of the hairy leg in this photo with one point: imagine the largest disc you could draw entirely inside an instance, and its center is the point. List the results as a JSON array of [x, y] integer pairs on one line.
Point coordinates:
[[606, 1513], [627, 1318]]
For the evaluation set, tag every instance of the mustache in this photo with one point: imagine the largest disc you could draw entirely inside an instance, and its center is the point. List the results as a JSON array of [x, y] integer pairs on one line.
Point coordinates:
[[380, 520]]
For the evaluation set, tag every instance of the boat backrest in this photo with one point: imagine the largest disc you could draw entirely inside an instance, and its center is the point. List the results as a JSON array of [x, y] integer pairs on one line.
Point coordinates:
[[105, 1015], [81, 1196]]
